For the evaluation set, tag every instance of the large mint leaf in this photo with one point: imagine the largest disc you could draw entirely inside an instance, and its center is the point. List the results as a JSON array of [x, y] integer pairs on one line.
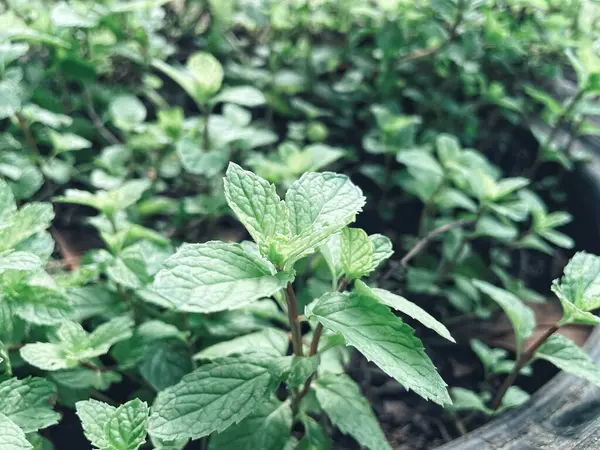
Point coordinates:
[[407, 307], [27, 221], [566, 355], [580, 286], [520, 315], [216, 276], [319, 204], [270, 340], [212, 398], [11, 436], [28, 403], [268, 428], [110, 428], [38, 305], [257, 205], [384, 339], [15, 260], [349, 410], [7, 199], [356, 253]]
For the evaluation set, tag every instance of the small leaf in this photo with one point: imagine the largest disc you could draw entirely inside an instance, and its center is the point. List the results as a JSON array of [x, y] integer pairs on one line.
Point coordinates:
[[247, 96], [384, 339], [520, 315], [207, 74], [11, 99], [356, 254], [269, 340], [349, 410], [67, 142], [196, 160], [216, 276], [382, 249], [580, 283], [126, 428], [127, 111], [27, 221], [466, 400], [212, 398], [566, 355], [405, 306], [268, 428]]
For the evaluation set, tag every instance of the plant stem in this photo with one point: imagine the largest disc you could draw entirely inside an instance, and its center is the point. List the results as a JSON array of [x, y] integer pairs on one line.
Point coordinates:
[[426, 212], [447, 265], [27, 133], [523, 360], [206, 133], [292, 307], [314, 347], [97, 121], [419, 246]]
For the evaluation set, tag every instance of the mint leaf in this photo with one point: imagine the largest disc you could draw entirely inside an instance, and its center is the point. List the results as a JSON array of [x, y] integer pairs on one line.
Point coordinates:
[[269, 340], [7, 200], [384, 339], [407, 307], [566, 355], [94, 415], [207, 74], [11, 436], [349, 410], [268, 428], [382, 249], [165, 363], [16, 260], [212, 398], [520, 315], [247, 96], [38, 305], [216, 276], [319, 204], [126, 428], [28, 403], [580, 284], [257, 205], [356, 253], [110, 428], [27, 221], [46, 356]]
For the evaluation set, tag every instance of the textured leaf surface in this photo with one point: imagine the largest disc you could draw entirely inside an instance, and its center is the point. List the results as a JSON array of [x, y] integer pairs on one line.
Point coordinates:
[[27, 221], [520, 315], [256, 204], [319, 204], [268, 428], [212, 398], [165, 363], [216, 276], [11, 436], [566, 355], [580, 283], [269, 340], [28, 403], [405, 306], [349, 410], [356, 253], [94, 415], [384, 339], [382, 249]]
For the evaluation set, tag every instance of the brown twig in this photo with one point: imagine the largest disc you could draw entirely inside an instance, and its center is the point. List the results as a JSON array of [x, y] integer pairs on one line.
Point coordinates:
[[292, 304], [71, 259], [523, 360]]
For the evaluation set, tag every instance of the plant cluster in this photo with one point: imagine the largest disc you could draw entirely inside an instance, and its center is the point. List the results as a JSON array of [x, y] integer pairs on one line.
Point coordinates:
[[450, 114]]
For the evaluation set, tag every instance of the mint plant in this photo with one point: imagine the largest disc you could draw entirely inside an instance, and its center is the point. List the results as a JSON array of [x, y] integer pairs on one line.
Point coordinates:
[[216, 276]]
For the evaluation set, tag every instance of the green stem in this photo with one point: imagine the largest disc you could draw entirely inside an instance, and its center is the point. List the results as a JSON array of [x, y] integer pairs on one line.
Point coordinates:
[[428, 208], [292, 307]]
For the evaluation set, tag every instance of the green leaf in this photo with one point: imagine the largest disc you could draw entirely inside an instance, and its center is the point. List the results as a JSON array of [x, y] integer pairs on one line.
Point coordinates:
[[384, 339], [110, 428], [207, 73], [216, 276], [46, 356], [315, 437], [247, 96], [11, 99], [65, 16], [466, 400], [38, 305], [520, 315], [67, 142], [196, 160], [566, 355], [405, 306], [27, 221], [126, 428], [7, 200], [212, 398], [420, 163], [269, 340], [28, 403], [382, 249], [33, 113], [357, 253], [257, 205], [580, 284], [127, 111], [165, 363], [94, 415], [11, 436], [15, 260], [297, 369], [343, 402], [319, 204], [268, 428]]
